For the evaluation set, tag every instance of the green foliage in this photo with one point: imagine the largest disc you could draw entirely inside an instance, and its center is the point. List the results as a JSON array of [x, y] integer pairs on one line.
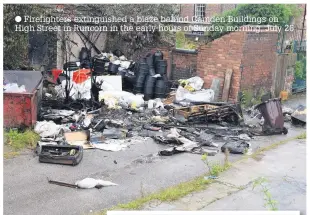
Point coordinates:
[[249, 98], [301, 67], [182, 42], [216, 168], [169, 194], [20, 140], [15, 43], [270, 203], [283, 12]]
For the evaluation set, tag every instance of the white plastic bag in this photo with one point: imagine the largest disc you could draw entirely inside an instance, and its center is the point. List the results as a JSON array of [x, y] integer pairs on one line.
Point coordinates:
[[122, 97], [183, 95], [195, 82], [180, 94], [88, 183], [151, 104], [47, 129], [200, 96], [159, 103], [14, 88], [105, 86]]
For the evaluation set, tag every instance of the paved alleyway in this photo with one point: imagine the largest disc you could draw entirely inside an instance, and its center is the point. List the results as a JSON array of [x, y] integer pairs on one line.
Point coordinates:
[[284, 167]]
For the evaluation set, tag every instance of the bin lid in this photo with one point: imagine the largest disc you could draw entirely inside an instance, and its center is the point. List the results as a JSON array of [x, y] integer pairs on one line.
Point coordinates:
[[30, 79]]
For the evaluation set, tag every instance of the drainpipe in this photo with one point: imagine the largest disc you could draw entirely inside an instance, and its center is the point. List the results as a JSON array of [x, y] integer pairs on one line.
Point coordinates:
[[241, 74], [303, 26], [170, 65]]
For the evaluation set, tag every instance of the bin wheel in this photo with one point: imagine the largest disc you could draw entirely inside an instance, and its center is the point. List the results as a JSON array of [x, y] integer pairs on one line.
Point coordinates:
[[285, 131]]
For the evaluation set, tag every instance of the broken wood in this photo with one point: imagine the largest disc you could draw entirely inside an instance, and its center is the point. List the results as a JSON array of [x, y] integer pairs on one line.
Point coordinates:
[[227, 83]]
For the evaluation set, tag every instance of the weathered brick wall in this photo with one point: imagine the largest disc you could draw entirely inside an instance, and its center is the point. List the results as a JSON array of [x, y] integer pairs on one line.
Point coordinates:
[[184, 64], [216, 57], [187, 10], [259, 60], [211, 9], [228, 7]]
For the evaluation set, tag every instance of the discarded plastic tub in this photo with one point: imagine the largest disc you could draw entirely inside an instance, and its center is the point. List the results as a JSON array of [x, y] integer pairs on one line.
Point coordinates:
[[113, 68], [271, 110], [139, 86], [158, 55], [99, 65], [160, 89], [149, 88], [150, 60], [143, 68], [161, 67]]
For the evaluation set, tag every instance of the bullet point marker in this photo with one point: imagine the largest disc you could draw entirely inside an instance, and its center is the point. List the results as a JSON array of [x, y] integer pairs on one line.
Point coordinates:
[[18, 19]]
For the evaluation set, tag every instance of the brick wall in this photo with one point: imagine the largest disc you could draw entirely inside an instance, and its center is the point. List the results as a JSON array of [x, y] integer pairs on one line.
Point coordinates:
[[211, 9], [183, 64], [216, 57], [259, 60], [252, 53], [187, 10]]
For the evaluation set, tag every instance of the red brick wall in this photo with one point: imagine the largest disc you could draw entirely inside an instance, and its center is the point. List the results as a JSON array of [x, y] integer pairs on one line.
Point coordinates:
[[216, 57], [211, 9], [187, 10], [259, 60], [184, 64]]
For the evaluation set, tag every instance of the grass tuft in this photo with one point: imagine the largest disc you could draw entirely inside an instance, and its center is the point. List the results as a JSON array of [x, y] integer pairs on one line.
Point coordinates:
[[302, 136], [166, 195], [20, 140], [8, 155]]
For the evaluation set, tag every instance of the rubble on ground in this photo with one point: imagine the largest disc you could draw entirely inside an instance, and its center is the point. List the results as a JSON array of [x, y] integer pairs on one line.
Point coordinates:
[[186, 120]]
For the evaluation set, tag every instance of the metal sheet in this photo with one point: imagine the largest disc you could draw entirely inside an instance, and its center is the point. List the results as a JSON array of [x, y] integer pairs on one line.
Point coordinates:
[[300, 113], [31, 79]]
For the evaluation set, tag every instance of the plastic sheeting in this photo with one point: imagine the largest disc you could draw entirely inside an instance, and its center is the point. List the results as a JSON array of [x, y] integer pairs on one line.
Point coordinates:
[[123, 98], [14, 88], [83, 90], [183, 95], [47, 129], [195, 82]]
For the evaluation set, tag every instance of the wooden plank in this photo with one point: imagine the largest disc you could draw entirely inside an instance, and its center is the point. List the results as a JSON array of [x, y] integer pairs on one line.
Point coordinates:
[[227, 82], [215, 86]]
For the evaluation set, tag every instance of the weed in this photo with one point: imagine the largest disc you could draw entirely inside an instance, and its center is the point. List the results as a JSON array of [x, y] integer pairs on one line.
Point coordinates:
[[169, 194], [302, 136], [8, 155], [183, 42], [216, 168], [270, 204], [18, 140]]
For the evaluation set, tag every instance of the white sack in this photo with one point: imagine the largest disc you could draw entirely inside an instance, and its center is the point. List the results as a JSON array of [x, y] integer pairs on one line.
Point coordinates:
[[88, 183]]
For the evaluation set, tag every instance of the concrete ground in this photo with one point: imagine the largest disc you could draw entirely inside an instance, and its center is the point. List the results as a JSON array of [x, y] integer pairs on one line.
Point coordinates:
[[296, 100], [283, 167], [138, 169]]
